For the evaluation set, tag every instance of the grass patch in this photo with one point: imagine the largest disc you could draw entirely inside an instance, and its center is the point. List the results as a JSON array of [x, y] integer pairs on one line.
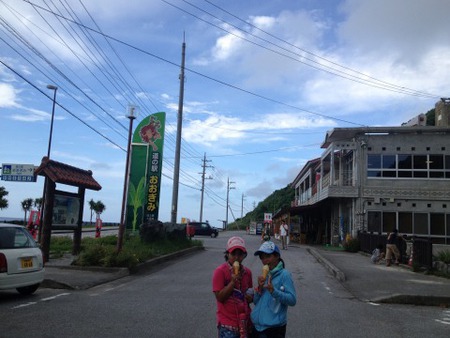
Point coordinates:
[[60, 245], [102, 251]]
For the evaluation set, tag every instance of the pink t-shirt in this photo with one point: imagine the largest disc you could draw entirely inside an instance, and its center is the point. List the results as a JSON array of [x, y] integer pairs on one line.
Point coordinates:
[[228, 312]]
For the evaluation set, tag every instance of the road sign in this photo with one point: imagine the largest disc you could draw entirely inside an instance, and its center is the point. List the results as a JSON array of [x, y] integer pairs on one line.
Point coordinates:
[[18, 172]]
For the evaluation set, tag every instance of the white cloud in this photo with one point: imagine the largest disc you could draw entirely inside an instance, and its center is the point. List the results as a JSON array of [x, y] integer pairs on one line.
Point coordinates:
[[407, 29], [8, 96]]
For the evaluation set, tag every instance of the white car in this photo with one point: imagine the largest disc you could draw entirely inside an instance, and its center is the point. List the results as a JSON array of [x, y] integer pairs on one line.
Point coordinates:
[[21, 260]]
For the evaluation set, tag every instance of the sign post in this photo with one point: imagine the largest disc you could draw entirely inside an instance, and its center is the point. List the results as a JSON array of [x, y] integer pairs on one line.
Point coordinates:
[[18, 172]]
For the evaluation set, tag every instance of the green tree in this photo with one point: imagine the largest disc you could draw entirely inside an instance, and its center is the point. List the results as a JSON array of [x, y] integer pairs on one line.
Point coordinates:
[[276, 201], [3, 200], [431, 114], [37, 203], [91, 207], [99, 207], [26, 206]]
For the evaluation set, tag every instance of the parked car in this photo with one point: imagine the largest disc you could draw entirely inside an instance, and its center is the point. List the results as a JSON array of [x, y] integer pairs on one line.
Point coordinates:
[[21, 260], [201, 229]]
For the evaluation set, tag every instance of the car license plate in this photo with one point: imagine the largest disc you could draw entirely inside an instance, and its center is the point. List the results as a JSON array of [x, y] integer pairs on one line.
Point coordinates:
[[26, 263]]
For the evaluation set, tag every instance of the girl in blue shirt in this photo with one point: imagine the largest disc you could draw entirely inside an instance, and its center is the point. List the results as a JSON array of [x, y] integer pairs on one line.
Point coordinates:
[[273, 295]]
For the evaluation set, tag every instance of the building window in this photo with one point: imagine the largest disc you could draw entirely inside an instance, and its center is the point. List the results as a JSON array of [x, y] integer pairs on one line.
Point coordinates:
[[448, 229], [437, 224], [408, 166], [374, 221], [405, 222], [404, 161], [420, 224], [389, 221]]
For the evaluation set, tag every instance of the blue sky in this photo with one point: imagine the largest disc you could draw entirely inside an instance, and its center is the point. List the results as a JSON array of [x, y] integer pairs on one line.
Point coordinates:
[[264, 82]]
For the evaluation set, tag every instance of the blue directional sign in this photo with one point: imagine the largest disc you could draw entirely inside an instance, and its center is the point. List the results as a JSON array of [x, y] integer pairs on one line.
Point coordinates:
[[18, 172]]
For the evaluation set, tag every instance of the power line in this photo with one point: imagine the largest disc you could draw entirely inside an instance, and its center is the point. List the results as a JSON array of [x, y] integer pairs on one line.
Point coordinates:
[[198, 73], [401, 88], [321, 67], [59, 105]]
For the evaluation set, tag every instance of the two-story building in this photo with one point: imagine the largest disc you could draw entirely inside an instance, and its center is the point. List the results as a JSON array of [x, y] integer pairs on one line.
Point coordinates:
[[376, 179]]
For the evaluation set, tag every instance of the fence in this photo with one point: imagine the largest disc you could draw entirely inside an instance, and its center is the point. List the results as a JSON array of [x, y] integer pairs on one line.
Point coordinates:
[[422, 248], [423, 252], [368, 241]]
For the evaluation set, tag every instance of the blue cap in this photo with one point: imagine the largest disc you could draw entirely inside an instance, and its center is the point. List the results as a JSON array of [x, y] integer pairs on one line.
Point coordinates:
[[268, 248]]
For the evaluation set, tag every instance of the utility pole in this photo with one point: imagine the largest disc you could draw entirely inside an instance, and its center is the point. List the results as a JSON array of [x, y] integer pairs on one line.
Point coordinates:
[[176, 171], [228, 195], [203, 184], [131, 115], [242, 206]]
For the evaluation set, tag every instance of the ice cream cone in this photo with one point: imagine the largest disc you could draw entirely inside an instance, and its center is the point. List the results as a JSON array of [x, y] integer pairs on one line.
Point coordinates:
[[236, 267], [265, 271]]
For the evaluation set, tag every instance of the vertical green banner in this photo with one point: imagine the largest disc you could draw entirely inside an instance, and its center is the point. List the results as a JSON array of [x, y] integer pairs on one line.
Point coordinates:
[[145, 171]]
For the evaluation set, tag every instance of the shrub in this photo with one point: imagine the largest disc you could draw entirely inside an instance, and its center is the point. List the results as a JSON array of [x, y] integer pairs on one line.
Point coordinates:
[[151, 231], [351, 245], [94, 255], [444, 256], [102, 251]]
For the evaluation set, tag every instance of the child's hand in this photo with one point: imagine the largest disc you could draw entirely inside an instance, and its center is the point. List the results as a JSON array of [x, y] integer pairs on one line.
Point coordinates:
[[261, 281], [269, 285]]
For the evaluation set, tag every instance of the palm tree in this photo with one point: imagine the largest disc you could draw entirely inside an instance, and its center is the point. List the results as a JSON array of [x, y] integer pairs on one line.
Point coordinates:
[[37, 203], [92, 207], [26, 206], [99, 207], [3, 200]]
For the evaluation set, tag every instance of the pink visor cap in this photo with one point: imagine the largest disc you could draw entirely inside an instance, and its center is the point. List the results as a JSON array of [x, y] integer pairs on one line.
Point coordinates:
[[236, 242]]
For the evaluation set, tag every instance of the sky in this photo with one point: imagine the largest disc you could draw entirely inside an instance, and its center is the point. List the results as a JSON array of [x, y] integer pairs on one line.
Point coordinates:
[[264, 82]]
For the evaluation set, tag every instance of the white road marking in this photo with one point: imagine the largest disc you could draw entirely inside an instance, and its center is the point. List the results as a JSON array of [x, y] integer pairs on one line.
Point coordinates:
[[24, 305], [41, 300], [445, 318], [54, 297], [107, 289]]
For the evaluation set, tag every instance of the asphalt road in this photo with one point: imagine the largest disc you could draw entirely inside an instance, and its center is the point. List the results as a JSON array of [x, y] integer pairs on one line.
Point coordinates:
[[175, 300]]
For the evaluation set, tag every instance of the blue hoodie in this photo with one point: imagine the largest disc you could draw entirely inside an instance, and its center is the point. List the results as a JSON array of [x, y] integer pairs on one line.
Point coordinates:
[[271, 309]]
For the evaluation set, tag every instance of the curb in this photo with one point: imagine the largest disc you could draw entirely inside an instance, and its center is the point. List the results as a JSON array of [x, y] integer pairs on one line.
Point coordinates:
[[415, 300], [338, 274], [161, 259], [110, 274]]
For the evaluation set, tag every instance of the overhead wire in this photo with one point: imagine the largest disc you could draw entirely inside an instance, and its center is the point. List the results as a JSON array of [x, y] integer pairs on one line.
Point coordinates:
[[39, 69], [60, 105], [401, 88], [235, 87], [186, 177], [69, 94], [198, 73]]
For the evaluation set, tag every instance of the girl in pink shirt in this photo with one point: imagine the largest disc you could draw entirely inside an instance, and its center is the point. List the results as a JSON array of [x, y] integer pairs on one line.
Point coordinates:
[[233, 291]]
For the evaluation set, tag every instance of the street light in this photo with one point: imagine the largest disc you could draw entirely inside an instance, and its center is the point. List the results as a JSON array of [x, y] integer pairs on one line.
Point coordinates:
[[123, 213], [54, 88]]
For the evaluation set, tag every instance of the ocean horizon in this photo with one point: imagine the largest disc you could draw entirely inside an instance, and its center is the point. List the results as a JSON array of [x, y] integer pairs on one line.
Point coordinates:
[[5, 219]]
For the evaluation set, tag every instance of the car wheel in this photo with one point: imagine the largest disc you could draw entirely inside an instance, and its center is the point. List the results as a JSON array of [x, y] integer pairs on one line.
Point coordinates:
[[28, 290]]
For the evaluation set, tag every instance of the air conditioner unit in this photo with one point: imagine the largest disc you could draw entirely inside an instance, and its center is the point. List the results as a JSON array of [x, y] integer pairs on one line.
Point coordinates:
[[376, 200]]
